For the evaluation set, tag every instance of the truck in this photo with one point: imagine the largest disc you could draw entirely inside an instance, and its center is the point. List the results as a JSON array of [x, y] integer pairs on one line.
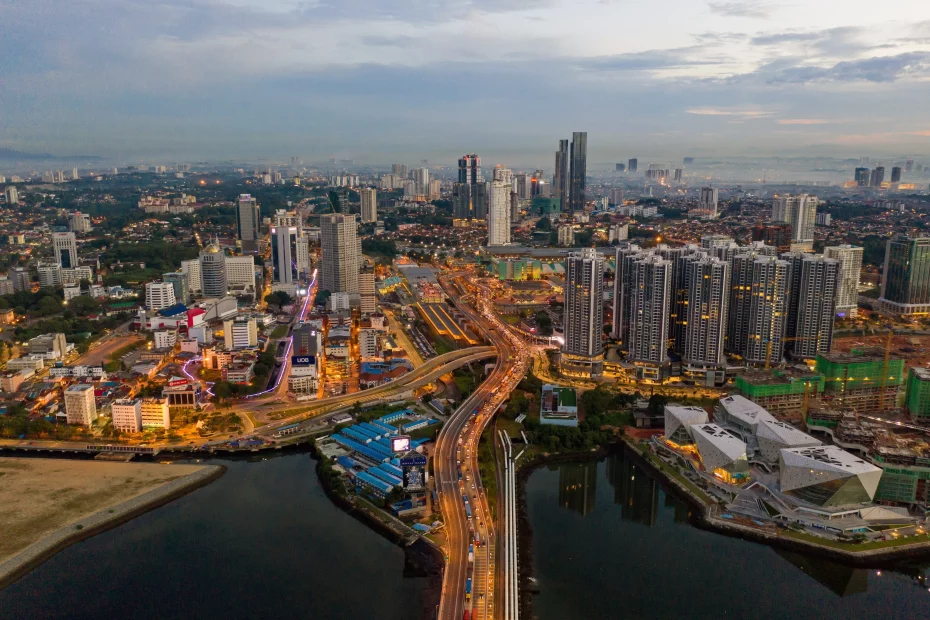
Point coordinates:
[[468, 510], [468, 588], [471, 554]]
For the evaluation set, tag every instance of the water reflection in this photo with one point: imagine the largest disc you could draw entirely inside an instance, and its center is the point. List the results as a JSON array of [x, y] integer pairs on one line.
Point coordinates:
[[578, 562]]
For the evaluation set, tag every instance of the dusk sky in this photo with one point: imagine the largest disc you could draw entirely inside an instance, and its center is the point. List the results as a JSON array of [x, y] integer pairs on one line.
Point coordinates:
[[380, 79]]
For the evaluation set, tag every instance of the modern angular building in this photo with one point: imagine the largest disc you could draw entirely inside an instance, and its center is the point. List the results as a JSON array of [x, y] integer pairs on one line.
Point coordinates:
[[773, 436], [213, 272], [722, 454], [560, 179], [826, 476], [578, 170], [678, 422]]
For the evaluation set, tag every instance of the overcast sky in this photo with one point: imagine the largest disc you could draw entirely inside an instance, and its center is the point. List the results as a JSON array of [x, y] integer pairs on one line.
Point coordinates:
[[382, 79]]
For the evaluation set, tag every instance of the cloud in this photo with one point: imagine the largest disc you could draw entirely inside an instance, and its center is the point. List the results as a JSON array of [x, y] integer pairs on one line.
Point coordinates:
[[740, 113], [753, 10], [804, 121], [876, 69]]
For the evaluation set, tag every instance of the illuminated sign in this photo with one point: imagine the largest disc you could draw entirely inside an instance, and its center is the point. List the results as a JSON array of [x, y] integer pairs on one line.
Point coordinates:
[[303, 360], [400, 443], [177, 383], [413, 460]]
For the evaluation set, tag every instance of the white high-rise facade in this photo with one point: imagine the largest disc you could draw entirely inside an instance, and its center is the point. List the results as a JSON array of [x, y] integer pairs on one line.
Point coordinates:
[[159, 295], [78, 222], [127, 415], [192, 269], [341, 253], [11, 195], [284, 258], [65, 248], [847, 296], [499, 209], [421, 180], [369, 198], [800, 212], [80, 406], [583, 350], [707, 204], [816, 306]]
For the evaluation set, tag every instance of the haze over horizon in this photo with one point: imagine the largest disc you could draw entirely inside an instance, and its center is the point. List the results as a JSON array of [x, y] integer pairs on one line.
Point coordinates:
[[383, 80]]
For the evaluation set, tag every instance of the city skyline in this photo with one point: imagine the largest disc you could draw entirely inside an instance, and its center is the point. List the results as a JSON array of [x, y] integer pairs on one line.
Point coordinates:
[[222, 79]]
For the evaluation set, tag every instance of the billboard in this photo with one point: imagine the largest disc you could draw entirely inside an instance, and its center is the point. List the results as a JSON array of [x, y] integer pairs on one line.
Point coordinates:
[[303, 360], [177, 382], [400, 443], [414, 478], [413, 460]]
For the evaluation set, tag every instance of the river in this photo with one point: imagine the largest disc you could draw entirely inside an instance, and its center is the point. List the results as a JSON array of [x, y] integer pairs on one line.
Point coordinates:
[[608, 542], [263, 541]]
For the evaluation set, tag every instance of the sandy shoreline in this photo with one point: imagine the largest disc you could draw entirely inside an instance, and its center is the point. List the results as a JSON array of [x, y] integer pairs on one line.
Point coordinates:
[[51, 543]]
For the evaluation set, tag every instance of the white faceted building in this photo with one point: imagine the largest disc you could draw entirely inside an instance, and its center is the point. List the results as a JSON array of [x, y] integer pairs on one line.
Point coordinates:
[[741, 414], [773, 436], [827, 476], [678, 422], [721, 453]]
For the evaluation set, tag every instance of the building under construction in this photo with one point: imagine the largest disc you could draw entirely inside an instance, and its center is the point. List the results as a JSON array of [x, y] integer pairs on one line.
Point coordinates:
[[781, 392], [862, 381]]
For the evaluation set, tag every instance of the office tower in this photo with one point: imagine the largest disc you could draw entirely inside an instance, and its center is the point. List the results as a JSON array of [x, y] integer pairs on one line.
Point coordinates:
[[632, 165], [80, 407], [878, 177], [578, 170], [765, 328], [11, 195], [159, 295], [285, 272], [816, 307], [341, 254], [50, 275], [560, 181], [180, 281], [514, 207], [583, 351], [862, 177], [22, 281], [687, 161], [908, 165], [523, 186], [479, 199], [78, 222], [287, 218], [499, 209], [461, 201], [470, 169], [800, 212], [366, 290], [896, 174], [421, 179], [369, 209], [619, 167], [399, 170], [213, 271], [65, 247], [906, 276], [248, 222], [708, 296], [127, 415], [240, 333], [615, 196], [847, 295], [650, 303]]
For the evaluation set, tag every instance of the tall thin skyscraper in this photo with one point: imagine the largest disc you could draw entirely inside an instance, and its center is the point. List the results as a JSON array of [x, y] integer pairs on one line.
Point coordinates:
[[65, 247], [341, 253], [583, 351], [624, 256], [896, 174], [816, 307], [906, 276], [578, 170], [499, 208], [707, 204], [767, 311], [795, 261], [632, 165], [248, 222], [649, 314], [742, 274], [847, 296], [708, 297], [369, 198], [862, 177], [800, 212], [560, 180], [877, 177]]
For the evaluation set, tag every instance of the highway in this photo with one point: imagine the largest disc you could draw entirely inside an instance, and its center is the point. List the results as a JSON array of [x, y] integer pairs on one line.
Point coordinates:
[[457, 451]]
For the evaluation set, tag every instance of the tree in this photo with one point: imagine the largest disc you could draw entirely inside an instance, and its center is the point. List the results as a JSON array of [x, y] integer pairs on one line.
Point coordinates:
[[4, 353], [427, 398], [544, 223], [278, 298]]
